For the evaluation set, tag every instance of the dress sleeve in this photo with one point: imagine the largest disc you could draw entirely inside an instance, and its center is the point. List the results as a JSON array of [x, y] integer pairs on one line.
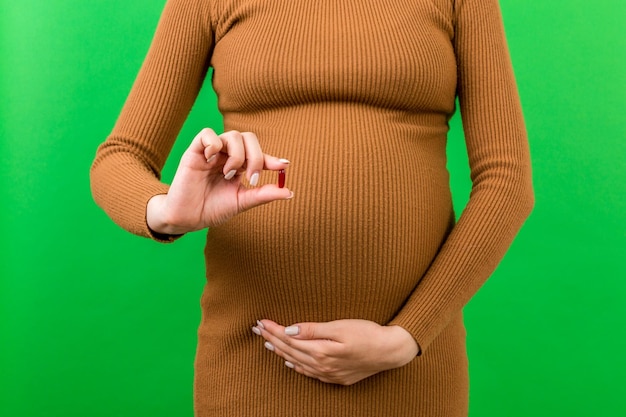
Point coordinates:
[[502, 195], [127, 167]]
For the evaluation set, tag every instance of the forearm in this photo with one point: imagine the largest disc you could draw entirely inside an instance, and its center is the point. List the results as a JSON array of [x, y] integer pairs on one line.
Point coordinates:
[[125, 174], [466, 260]]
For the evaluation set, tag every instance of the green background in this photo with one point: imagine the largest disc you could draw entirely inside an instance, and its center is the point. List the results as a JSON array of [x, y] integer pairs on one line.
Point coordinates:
[[97, 322]]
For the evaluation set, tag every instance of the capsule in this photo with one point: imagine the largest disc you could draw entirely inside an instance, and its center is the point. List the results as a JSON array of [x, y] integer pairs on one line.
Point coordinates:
[[281, 178]]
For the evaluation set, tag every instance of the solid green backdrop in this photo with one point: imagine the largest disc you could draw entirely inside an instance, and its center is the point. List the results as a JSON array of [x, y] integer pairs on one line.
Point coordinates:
[[97, 322]]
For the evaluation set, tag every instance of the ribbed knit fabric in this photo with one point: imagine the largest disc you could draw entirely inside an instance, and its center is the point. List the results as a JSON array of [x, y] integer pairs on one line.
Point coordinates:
[[357, 94]]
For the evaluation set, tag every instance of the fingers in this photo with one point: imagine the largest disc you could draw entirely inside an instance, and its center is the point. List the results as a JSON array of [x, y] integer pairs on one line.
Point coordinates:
[[311, 357], [304, 337], [233, 147], [321, 359], [310, 331], [341, 351], [253, 197], [273, 163], [238, 152], [279, 342], [254, 157], [206, 144]]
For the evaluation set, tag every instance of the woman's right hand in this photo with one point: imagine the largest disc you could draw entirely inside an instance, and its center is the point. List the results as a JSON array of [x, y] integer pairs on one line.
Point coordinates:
[[207, 189]]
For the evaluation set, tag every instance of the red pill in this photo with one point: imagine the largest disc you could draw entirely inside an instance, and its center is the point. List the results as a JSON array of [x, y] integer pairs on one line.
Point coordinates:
[[281, 178]]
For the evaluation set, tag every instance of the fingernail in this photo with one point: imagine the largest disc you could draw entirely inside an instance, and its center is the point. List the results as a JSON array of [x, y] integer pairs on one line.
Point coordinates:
[[289, 365], [254, 180], [269, 346], [292, 330], [230, 174], [212, 157], [290, 196], [259, 324], [256, 331], [284, 161]]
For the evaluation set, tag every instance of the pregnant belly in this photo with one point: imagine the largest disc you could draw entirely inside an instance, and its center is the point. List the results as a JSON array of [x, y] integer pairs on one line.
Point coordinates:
[[332, 252]]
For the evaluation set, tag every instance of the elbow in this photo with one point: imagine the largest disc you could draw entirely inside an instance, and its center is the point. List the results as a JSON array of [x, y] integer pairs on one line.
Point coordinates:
[[528, 202], [519, 186], [524, 200], [95, 180], [528, 196]]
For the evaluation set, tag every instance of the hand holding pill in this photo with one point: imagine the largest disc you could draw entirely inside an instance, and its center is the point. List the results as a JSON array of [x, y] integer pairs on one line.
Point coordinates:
[[207, 189]]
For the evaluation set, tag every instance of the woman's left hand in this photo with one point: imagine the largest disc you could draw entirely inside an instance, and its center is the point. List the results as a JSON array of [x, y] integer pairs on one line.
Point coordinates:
[[339, 352]]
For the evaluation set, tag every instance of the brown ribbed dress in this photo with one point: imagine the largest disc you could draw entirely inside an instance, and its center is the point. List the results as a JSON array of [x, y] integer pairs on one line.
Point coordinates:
[[357, 94]]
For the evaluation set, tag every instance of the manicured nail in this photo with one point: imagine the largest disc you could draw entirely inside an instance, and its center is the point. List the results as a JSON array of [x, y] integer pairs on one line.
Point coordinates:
[[254, 179], [259, 324], [284, 161], [269, 346], [290, 196], [256, 331], [289, 365], [292, 330], [210, 158], [230, 174]]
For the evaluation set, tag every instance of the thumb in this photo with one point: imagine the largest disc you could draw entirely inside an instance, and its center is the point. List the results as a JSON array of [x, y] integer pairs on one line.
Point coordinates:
[[313, 331], [253, 197]]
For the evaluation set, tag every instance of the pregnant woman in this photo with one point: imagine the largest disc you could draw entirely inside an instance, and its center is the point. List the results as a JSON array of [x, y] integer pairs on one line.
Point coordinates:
[[341, 293]]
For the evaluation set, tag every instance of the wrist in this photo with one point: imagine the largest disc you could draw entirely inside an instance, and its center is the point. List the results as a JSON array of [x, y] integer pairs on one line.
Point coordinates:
[[157, 219], [404, 348]]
